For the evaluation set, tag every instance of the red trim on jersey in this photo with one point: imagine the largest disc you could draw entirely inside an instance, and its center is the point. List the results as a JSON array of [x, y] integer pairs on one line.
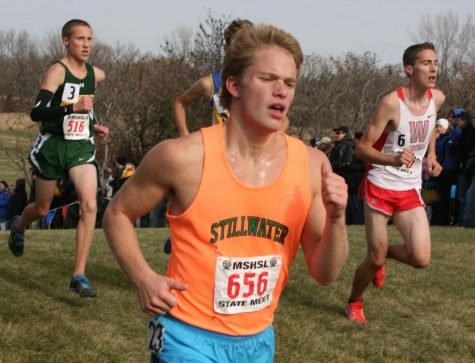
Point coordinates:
[[400, 94]]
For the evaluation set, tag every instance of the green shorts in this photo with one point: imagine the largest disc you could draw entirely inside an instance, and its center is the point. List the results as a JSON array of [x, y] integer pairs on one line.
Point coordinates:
[[51, 156]]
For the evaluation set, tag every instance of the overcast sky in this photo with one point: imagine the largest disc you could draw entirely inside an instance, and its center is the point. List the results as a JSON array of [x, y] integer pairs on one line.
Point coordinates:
[[324, 27]]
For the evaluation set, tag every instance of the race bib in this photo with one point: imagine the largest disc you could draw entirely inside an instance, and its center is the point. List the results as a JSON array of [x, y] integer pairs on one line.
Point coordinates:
[[405, 170], [245, 284], [76, 126], [70, 93]]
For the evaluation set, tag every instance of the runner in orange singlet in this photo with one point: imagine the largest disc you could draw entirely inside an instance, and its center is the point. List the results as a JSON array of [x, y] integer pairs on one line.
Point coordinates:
[[244, 195]]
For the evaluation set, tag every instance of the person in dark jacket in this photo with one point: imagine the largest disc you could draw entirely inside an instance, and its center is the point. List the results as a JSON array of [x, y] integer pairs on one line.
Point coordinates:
[[344, 163], [343, 149], [448, 176], [18, 200], [462, 149], [353, 175], [4, 200]]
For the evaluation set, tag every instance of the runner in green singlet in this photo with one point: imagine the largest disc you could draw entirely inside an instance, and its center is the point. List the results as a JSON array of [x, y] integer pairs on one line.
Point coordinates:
[[65, 145]]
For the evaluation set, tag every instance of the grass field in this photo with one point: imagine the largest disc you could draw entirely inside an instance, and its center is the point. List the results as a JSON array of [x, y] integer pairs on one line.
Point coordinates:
[[418, 316]]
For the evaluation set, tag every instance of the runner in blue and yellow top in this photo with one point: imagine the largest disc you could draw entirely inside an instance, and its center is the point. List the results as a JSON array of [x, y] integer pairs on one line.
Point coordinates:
[[65, 145], [208, 86]]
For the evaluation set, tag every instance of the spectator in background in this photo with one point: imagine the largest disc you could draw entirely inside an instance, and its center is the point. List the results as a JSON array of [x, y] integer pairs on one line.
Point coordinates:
[[343, 149], [313, 141], [119, 165], [324, 145], [4, 200], [108, 189], [129, 170], [448, 176], [462, 149], [344, 163], [157, 216], [455, 131], [18, 200], [70, 210], [353, 176], [468, 216], [38, 224]]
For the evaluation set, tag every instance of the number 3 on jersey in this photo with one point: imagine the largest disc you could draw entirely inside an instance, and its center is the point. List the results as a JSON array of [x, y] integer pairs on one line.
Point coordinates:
[[70, 93]]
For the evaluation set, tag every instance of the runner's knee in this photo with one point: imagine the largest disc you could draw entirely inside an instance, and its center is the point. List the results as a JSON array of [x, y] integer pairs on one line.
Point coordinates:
[[41, 209], [377, 258], [89, 206], [420, 262]]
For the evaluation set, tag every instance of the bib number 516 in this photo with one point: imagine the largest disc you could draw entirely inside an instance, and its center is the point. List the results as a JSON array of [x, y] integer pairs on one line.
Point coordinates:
[[75, 126]]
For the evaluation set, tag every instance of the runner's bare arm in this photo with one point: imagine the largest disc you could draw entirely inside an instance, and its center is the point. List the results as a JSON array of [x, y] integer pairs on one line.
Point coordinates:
[[324, 239], [99, 75], [383, 120], [148, 186], [201, 88], [52, 79]]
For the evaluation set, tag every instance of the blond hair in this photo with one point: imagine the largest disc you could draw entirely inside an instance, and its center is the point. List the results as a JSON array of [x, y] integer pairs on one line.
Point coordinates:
[[247, 42]]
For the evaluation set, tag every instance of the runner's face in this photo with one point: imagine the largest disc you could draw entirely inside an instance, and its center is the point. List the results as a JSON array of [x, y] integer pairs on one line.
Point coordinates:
[[424, 71], [79, 43], [267, 88]]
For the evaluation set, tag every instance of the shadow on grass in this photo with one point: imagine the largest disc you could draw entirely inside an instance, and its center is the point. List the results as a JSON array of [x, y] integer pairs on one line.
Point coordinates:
[[36, 286], [293, 295]]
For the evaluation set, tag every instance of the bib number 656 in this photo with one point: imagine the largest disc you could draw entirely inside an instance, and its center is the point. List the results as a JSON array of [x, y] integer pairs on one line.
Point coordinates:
[[250, 284]]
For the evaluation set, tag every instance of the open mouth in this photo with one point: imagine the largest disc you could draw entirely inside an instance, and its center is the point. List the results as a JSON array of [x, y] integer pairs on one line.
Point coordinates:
[[277, 107], [277, 110]]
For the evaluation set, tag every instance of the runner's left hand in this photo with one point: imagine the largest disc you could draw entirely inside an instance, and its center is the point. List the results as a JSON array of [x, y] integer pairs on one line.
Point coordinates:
[[334, 192], [101, 130]]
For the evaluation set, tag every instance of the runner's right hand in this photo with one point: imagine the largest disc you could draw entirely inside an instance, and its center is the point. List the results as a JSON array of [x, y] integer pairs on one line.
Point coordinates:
[[84, 105]]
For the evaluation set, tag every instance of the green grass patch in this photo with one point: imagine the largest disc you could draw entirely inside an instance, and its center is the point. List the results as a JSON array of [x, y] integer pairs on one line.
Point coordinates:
[[418, 316]]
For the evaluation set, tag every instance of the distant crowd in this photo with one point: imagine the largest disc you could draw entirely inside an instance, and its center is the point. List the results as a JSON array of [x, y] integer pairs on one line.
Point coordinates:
[[449, 198], [64, 209]]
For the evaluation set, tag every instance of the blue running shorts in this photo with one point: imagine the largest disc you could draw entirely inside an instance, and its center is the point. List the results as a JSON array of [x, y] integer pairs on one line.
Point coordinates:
[[171, 340]]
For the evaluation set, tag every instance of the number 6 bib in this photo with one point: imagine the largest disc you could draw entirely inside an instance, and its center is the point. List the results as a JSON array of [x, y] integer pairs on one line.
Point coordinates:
[[245, 284]]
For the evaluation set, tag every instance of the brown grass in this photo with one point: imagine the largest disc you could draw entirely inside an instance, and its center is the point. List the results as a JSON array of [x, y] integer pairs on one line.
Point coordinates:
[[16, 121]]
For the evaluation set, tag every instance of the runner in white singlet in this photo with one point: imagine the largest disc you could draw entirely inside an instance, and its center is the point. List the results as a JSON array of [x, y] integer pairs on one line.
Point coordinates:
[[400, 134]]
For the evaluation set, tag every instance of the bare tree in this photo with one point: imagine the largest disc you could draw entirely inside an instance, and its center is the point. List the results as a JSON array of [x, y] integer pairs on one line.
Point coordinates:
[[455, 44]]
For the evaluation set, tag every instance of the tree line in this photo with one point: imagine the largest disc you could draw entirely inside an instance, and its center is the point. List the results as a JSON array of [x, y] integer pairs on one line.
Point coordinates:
[[136, 99]]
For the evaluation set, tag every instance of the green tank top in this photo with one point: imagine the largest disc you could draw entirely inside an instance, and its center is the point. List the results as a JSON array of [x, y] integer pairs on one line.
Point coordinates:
[[73, 126]]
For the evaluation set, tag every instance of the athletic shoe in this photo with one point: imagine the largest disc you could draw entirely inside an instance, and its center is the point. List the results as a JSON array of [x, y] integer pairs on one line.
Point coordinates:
[[354, 312], [80, 284], [167, 247], [16, 238], [378, 278]]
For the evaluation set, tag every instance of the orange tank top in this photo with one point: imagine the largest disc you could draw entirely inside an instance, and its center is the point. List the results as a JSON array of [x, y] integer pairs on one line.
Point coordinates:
[[235, 243]]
